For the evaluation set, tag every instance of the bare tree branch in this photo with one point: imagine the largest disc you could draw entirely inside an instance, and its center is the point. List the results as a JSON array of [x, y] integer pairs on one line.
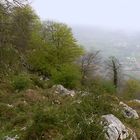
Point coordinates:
[[89, 63], [113, 66]]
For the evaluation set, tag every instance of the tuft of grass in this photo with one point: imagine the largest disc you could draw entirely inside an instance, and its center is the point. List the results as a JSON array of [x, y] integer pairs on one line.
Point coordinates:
[[21, 82]]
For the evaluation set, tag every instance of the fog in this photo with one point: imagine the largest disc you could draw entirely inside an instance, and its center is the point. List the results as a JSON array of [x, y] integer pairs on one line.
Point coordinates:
[[108, 14]]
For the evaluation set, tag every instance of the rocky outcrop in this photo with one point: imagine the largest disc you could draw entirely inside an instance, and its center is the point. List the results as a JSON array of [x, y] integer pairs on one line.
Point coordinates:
[[61, 90], [128, 112], [115, 129]]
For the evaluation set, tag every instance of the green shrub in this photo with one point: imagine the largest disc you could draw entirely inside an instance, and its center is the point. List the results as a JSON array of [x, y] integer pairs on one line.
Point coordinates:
[[68, 75], [38, 61], [21, 82]]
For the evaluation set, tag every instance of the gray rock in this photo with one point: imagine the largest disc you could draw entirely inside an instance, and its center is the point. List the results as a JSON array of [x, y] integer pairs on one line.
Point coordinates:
[[114, 128], [136, 100], [128, 111], [61, 90], [9, 138]]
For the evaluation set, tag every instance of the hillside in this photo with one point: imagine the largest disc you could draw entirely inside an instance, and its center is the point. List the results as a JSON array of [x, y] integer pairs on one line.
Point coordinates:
[[56, 114], [51, 88]]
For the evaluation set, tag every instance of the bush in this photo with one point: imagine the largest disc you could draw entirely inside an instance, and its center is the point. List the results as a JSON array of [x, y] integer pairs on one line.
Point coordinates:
[[68, 75], [21, 82], [38, 62]]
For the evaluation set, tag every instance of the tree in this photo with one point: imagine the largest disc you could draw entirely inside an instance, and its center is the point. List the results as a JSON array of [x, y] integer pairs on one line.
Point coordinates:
[[23, 21], [4, 26], [16, 26], [58, 48], [14, 15], [114, 68], [61, 42], [89, 64], [9, 4], [56, 54], [8, 55]]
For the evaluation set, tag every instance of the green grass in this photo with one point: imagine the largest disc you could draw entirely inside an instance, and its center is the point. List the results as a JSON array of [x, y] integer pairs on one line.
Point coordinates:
[[40, 114]]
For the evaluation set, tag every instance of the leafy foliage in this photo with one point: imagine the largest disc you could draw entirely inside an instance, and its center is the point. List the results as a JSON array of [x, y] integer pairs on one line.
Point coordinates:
[[68, 75]]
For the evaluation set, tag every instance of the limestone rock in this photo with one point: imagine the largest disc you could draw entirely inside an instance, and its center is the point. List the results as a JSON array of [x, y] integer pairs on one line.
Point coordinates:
[[136, 100], [61, 90], [9, 138], [114, 128], [128, 111]]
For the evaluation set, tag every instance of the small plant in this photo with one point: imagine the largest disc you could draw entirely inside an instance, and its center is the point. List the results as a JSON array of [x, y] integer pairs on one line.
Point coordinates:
[[21, 82]]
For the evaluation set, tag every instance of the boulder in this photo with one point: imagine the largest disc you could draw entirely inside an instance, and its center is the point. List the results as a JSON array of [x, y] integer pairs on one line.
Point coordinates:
[[61, 90], [128, 111], [9, 138], [136, 100], [114, 128]]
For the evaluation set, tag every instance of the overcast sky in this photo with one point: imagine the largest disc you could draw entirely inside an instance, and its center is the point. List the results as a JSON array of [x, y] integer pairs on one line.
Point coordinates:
[[112, 14]]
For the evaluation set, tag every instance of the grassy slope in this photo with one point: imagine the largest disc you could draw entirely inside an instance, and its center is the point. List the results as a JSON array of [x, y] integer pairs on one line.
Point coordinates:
[[40, 112]]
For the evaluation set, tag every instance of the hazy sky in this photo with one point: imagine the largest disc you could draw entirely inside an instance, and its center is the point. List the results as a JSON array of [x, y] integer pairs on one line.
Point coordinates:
[[112, 14]]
